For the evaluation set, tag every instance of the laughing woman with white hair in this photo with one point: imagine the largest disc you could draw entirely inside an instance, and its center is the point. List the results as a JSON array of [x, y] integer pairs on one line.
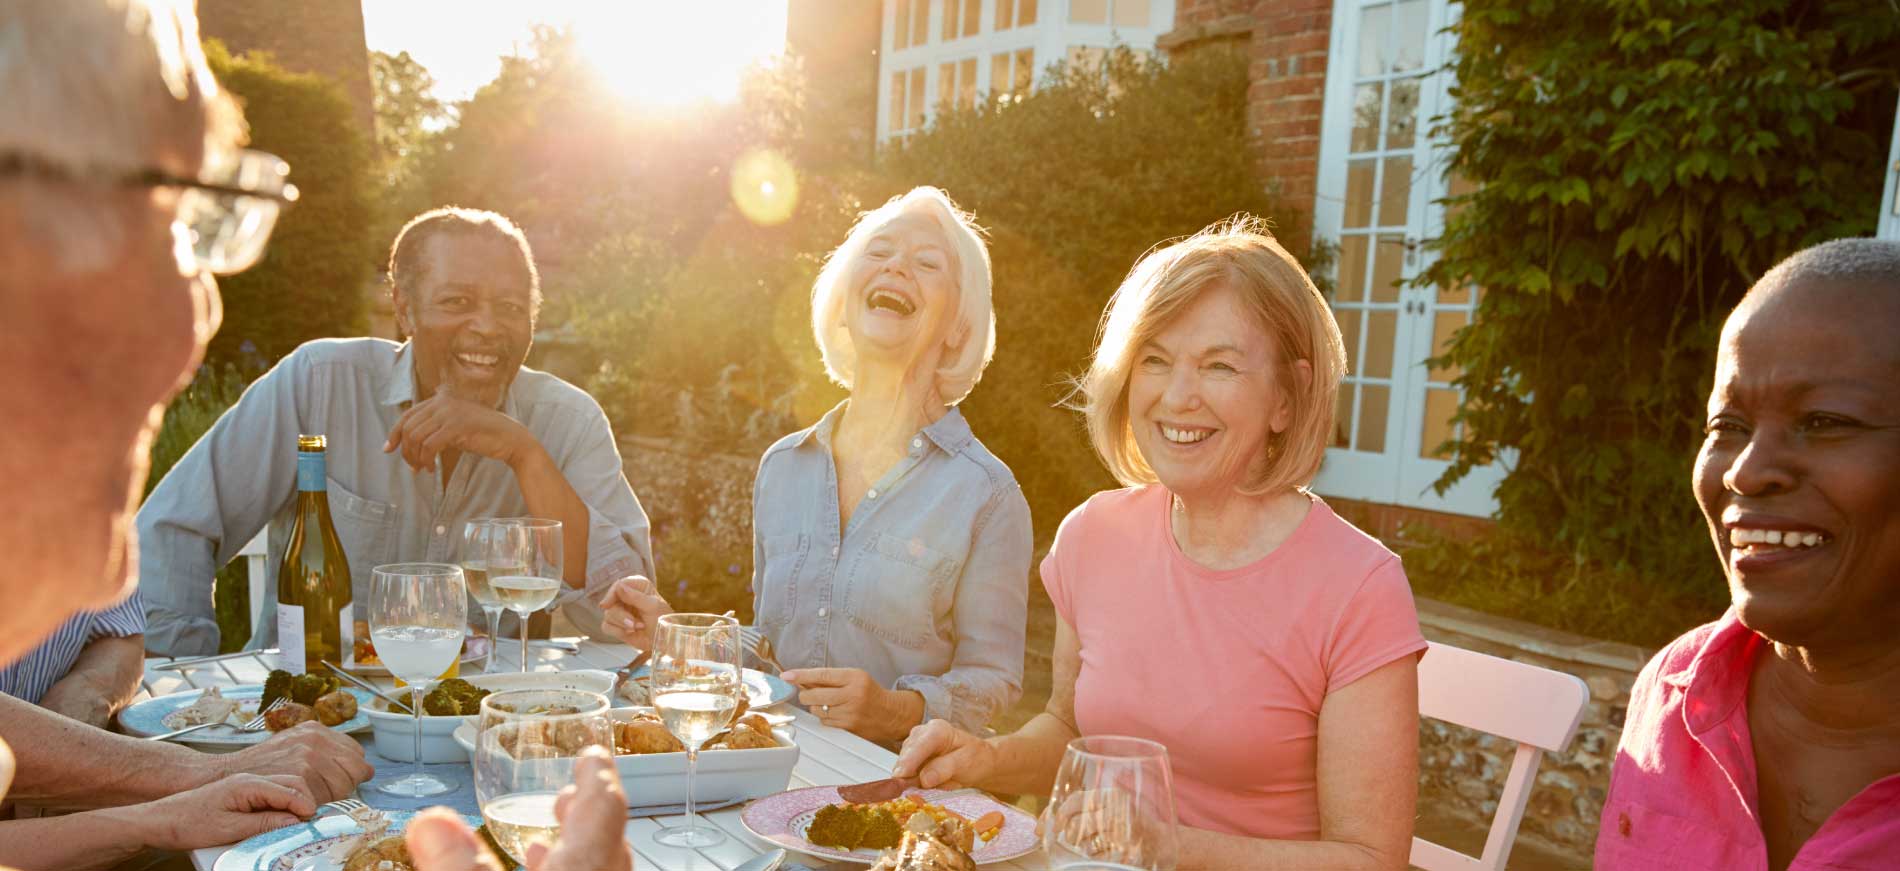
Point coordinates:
[[890, 548]]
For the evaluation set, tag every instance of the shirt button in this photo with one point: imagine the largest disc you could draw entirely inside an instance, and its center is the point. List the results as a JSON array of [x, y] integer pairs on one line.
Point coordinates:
[[916, 443], [441, 530], [834, 552], [871, 495], [823, 611]]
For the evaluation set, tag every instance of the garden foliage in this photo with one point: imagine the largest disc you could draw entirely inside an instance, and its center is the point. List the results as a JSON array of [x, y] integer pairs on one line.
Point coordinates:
[[1638, 164]]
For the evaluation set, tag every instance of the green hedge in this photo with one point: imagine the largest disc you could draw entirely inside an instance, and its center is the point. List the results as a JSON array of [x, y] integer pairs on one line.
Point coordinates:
[[313, 278]]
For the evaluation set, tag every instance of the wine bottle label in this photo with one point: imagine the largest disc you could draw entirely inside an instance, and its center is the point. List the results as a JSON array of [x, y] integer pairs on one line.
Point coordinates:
[[290, 638], [346, 625], [310, 471]]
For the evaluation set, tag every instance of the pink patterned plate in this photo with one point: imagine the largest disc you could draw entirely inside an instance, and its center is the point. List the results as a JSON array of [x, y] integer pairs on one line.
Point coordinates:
[[782, 819]]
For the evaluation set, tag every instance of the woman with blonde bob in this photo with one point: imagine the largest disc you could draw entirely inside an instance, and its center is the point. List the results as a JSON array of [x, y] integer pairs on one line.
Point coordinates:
[[890, 548], [1214, 605]]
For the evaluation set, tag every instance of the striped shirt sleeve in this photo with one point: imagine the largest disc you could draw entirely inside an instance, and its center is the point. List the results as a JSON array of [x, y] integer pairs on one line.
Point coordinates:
[[121, 620]]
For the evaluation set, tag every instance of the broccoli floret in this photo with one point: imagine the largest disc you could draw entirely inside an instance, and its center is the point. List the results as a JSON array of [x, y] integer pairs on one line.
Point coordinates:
[[276, 686], [441, 702], [305, 689], [454, 697]]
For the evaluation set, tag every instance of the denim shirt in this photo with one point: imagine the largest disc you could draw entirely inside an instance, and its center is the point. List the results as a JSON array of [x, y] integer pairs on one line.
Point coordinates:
[[927, 588]]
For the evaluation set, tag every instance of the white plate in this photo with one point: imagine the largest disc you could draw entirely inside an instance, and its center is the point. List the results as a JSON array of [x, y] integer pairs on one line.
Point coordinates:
[[298, 847], [148, 717]]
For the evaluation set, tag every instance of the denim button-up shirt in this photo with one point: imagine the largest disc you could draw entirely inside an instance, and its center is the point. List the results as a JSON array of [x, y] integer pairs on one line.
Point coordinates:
[[926, 589]]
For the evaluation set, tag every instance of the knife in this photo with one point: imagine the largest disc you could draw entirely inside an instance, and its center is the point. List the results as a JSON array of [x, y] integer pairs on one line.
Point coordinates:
[[396, 706]]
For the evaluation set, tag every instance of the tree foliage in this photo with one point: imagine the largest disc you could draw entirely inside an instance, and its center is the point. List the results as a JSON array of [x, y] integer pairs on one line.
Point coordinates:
[[1638, 163], [312, 279]]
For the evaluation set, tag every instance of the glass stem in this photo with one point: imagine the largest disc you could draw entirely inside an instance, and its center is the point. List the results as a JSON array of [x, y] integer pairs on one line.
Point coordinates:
[[692, 765], [494, 626], [415, 705], [523, 615]]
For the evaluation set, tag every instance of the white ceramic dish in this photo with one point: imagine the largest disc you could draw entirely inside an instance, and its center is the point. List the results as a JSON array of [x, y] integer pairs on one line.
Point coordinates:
[[395, 733], [723, 775]]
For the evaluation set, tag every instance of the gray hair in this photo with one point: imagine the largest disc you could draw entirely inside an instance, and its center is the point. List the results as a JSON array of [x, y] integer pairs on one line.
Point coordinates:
[[1842, 261], [408, 265], [100, 86]]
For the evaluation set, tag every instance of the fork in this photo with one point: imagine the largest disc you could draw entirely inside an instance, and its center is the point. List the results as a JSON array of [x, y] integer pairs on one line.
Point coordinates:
[[342, 805], [761, 648], [256, 724]]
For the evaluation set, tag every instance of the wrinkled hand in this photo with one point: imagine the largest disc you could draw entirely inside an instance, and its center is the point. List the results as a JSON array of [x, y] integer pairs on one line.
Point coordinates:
[[850, 699], [593, 816], [224, 812], [630, 610], [942, 756], [326, 765], [445, 422]]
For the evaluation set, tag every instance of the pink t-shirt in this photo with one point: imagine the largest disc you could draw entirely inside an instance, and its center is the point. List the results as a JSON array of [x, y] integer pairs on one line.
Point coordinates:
[[1682, 793], [1226, 668]]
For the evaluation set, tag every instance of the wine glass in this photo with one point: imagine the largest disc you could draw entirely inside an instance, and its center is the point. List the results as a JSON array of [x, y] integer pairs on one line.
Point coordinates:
[[697, 685], [479, 537], [418, 613], [530, 549], [1112, 808], [526, 748]]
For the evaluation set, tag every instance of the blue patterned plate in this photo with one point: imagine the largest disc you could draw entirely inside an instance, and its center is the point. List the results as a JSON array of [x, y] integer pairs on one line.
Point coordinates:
[[148, 717], [301, 847]]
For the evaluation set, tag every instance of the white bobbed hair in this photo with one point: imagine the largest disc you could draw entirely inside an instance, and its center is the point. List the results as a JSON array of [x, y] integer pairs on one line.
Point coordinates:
[[971, 334]]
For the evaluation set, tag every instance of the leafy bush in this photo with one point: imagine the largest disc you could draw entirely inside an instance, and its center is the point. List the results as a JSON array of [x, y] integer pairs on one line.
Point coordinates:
[[311, 281], [1637, 164]]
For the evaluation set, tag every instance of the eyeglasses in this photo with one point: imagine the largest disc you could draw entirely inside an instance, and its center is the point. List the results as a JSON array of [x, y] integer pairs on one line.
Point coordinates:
[[228, 210]]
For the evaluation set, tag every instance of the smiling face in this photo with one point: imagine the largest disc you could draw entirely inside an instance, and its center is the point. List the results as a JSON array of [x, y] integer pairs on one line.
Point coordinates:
[[1203, 397], [902, 292], [1799, 476], [470, 316]]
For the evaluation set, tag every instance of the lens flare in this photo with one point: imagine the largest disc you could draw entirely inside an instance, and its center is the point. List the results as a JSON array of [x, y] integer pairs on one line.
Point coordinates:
[[764, 187]]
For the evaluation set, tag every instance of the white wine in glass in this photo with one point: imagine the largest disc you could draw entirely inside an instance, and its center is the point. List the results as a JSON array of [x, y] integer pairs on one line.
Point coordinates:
[[478, 537], [1112, 808], [525, 751], [534, 545], [696, 687], [418, 613]]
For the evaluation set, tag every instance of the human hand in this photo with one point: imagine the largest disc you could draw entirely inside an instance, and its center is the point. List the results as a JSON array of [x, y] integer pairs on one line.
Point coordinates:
[[592, 812], [446, 422], [630, 610], [223, 812], [850, 699], [1111, 825], [940, 755], [327, 765]]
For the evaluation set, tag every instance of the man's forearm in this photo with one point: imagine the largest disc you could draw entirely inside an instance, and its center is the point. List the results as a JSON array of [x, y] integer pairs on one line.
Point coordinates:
[[549, 495], [64, 763], [102, 681], [97, 839]]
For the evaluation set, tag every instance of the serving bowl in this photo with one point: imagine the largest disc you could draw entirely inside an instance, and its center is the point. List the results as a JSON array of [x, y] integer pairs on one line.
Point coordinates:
[[395, 732]]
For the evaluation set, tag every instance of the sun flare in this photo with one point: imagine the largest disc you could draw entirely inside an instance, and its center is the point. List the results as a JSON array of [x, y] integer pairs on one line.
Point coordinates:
[[677, 53]]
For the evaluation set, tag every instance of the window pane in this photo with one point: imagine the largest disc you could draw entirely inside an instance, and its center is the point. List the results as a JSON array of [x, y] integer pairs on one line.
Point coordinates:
[[1444, 325], [1005, 11], [1461, 295], [966, 84], [1352, 269], [1342, 418], [1456, 185], [1395, 200], [1131, 13], [1025, 12], [917, 98], [1373, 399], [1025, 69], [1365, 116], [1440, 405], [1348, 319], [1374, 22], [1358, 193], [897, 117], [919, 22], [1402, 116], [972, 17], [900, 34], [1409, 28], [946, 86], [1388, 264], [1381, 328], [1088, 11], [950, 29], [999, 75]]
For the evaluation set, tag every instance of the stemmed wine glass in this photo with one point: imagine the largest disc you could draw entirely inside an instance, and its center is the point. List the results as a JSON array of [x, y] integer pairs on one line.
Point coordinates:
[[1112, 808], [418, 613], [696, 689], [526, 747], [479, 537], [529, 548]]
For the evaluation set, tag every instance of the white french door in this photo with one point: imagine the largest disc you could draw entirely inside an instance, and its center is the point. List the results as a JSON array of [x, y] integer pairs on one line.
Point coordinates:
[[1381, 177]]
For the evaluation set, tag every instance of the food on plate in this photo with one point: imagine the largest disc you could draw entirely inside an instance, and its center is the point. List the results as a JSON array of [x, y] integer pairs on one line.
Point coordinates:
[[281, 718], [850, 826], [639, 692], [454, 697], [211, 707], [748, 733], [389, 853], [307, 688], [276, 686], [362, 652], [923, 852], [642, 735], [334, 708]]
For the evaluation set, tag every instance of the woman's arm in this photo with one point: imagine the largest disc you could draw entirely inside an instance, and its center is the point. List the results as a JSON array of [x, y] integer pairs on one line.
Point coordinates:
[[1368, 785]]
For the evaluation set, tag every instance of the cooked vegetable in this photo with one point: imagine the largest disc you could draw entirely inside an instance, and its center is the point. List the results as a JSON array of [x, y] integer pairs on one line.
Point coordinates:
[[307, 688], [452, 698], [334, 708], [288, 716], [276, 686]]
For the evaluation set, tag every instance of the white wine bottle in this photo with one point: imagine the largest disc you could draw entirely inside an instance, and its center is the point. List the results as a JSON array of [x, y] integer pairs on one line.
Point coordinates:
[[313, 584]]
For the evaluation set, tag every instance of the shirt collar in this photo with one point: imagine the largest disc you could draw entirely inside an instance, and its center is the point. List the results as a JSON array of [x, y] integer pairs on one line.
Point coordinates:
[[399, 383], [1714, 687], [951, 432]]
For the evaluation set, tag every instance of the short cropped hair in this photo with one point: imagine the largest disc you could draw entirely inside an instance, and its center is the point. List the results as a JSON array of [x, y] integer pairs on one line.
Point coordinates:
[[409, 265], [1239, 253], [974, 323], [1859, 261], [101, 87]]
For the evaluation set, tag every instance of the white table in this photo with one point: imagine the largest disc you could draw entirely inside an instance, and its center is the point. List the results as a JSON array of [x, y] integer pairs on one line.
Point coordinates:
[[827, 756]]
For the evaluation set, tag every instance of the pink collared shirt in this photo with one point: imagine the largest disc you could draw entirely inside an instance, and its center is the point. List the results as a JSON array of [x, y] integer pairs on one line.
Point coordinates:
[[1682, 794]]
